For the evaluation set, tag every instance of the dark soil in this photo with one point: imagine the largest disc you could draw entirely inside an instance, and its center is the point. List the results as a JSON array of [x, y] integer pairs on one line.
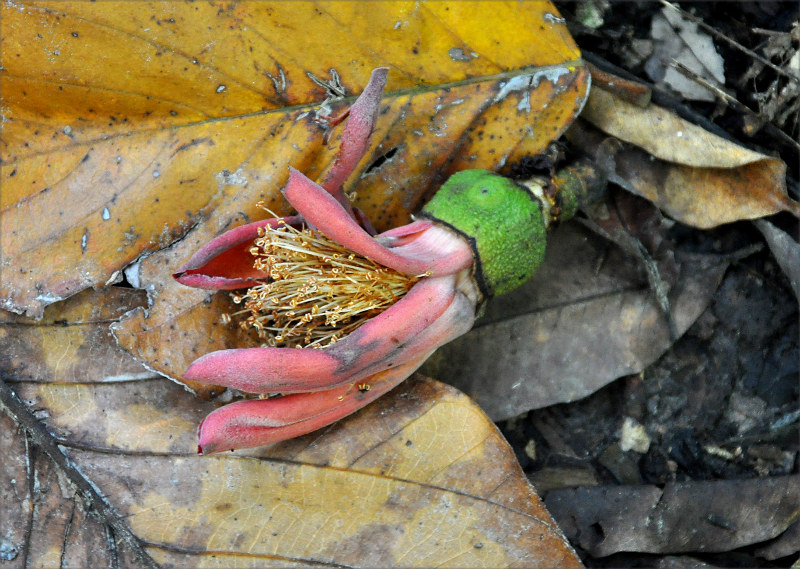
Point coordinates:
[[722, 403]]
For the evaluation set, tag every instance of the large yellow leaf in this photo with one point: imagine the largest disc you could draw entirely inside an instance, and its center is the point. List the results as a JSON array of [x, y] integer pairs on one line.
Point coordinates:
[[125, 125], [420, 478]]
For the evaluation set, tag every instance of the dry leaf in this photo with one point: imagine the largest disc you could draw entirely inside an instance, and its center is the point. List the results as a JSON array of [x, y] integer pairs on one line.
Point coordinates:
[[72, 341], [126, 125], [698, 178], [420, 478], [571, 329], [786, 251], [707, 516]]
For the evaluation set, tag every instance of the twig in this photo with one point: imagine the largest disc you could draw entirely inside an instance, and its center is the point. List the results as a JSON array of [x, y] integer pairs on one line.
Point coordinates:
[[764, 32], [733, 102], [15, 408], [689, 74], [734, 43]]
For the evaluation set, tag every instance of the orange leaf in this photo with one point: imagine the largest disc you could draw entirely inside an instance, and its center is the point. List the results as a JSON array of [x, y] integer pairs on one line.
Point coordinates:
[[126, 125]]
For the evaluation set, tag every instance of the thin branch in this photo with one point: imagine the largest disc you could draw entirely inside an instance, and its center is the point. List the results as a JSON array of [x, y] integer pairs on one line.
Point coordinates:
[[734, 103], [15, 408], [764, 32], [737, 45]]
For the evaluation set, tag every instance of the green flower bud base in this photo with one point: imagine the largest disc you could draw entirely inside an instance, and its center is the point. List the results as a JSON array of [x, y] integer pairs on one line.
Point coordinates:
[[503, 222]]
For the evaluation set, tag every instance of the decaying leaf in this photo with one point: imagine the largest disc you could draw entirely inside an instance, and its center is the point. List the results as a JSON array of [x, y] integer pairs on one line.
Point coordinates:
[[72, 341], [126, 125], [786, 251], [696, 177], [706, 516], [572, 329], [420, 478]]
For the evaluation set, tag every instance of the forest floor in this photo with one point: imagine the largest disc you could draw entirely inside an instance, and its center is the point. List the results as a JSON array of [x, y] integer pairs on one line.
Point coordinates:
[[717, 414]]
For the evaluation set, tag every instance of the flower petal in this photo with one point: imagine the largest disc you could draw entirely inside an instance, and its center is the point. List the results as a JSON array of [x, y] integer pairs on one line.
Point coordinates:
[[439, 246], [253, 423], [412, 230], [225, 262], [454, 322], [274, 370], [356, 135], [451, 254]]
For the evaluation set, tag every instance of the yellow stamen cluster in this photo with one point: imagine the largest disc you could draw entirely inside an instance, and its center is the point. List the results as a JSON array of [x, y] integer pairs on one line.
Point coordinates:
[[316, 292]]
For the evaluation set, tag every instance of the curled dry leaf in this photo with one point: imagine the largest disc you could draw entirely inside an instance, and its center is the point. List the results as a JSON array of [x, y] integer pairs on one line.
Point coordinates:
[[696, 177], [420, 478], [126, 125]]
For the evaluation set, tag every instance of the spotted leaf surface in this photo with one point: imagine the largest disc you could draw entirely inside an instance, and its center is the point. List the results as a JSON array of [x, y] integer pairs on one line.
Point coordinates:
[[126, 126]]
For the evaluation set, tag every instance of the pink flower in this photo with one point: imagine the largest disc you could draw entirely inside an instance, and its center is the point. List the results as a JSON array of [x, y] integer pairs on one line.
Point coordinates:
[[374, 306]]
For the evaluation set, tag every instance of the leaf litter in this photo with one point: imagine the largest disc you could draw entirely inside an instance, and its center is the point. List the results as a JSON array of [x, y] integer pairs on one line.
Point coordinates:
[[634, 271]]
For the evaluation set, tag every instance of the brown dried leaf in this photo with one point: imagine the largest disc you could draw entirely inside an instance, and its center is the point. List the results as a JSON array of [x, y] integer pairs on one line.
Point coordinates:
[[706, 516], [419, 478], [72, 342], [572, 329], [698, 178]]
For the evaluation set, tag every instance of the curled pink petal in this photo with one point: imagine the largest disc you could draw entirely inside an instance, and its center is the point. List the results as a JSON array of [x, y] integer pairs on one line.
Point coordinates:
[[454, 322], [225, 262], [441, 248], [252, 423], [356, 135], [265, 370], [330, 218], [285, 370], [396, 236]]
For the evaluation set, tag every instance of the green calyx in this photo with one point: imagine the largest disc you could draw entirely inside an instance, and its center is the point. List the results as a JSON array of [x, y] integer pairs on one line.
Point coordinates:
[[503, 222]]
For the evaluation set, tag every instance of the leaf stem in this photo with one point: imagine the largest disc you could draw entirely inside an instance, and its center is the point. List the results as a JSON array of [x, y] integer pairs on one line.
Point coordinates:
[[96, 504]]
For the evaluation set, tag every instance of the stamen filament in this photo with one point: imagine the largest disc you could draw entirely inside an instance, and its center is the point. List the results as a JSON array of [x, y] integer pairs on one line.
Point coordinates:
[[315, 291]]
